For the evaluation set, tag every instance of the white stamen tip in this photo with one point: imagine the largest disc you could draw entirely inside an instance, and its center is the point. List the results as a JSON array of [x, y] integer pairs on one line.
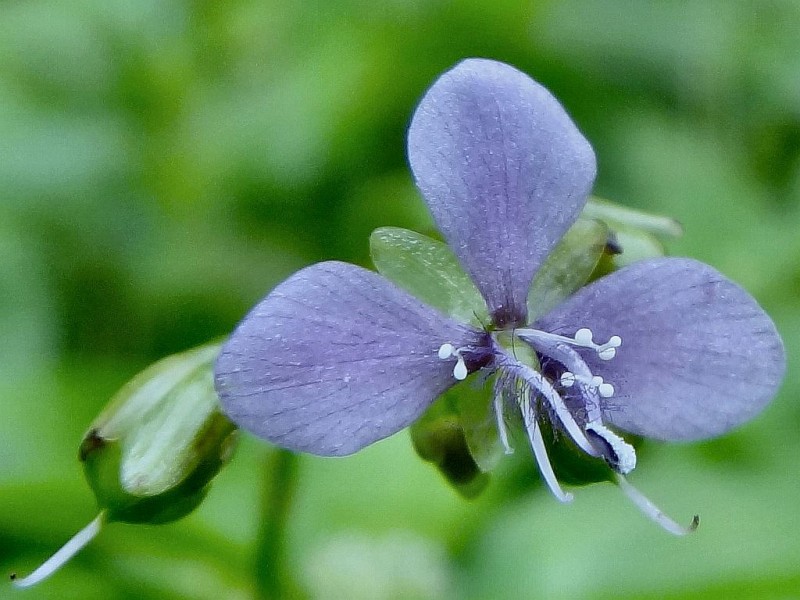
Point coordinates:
[[460, 370], [615, 341], [607, 353], [567, 379], [584, 336], [596, 381], [446, 351], [606, 390]]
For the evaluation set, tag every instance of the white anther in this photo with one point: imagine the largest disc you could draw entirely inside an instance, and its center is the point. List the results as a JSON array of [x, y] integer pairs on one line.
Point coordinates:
[[614, 342], [446, 351], [597, 381], [607, 353], [460, 370], [606, 390], [567, 379], [583, 337]]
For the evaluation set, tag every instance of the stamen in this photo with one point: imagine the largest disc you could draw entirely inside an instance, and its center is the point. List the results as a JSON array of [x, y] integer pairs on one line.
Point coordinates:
[[652, 511], [538, 382], [446, 351], [582, 338], [540, 451], [67, 551], [568, 379], [501, 423]]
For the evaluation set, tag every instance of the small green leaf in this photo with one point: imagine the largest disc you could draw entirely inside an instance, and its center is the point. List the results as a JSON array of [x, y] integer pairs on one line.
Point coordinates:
[[568, 267], [613, 215], [152, 452], [429, 270]]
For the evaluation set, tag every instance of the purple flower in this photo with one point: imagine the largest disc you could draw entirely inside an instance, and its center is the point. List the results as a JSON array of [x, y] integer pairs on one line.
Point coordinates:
[[337, 357]]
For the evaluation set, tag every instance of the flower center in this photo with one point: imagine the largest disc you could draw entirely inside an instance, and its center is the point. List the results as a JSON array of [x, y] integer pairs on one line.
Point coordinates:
[[572, 395]]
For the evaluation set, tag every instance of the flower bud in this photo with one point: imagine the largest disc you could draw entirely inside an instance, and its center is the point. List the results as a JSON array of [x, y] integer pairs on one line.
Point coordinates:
[[150, 455]]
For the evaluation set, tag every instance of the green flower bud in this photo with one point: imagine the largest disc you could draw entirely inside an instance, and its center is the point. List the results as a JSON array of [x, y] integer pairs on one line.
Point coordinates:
[[150, 455]]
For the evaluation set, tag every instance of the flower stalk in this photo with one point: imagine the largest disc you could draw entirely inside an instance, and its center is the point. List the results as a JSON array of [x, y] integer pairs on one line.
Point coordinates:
[[274, 580]]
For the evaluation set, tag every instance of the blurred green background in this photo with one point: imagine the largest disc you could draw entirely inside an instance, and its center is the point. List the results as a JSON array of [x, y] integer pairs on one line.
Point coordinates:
[[164, 164]]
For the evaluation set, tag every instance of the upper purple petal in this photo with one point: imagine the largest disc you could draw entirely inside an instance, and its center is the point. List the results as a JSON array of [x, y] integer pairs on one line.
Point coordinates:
[[335, 358], [698, 357], [504, 171]]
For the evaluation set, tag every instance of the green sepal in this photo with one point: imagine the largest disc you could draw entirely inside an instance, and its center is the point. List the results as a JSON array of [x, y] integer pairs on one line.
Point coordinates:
[[471, 403], [616, 215], [429, 270], [150, 455], [568, 267], [458, 434], [634, 235]]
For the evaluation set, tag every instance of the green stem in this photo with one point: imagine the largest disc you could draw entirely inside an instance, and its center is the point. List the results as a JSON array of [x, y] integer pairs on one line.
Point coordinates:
[[274, 580]]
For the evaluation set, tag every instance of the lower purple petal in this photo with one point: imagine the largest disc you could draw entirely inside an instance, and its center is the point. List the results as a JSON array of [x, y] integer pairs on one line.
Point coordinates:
[[698, 356], [335, 358]]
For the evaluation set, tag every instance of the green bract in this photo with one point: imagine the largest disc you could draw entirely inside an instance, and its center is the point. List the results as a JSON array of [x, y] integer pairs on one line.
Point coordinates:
[[150, 455]]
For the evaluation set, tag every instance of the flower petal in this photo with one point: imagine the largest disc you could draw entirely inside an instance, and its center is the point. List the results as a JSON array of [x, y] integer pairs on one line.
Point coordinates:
[[335, 358], [698, 356], [504, 171]]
